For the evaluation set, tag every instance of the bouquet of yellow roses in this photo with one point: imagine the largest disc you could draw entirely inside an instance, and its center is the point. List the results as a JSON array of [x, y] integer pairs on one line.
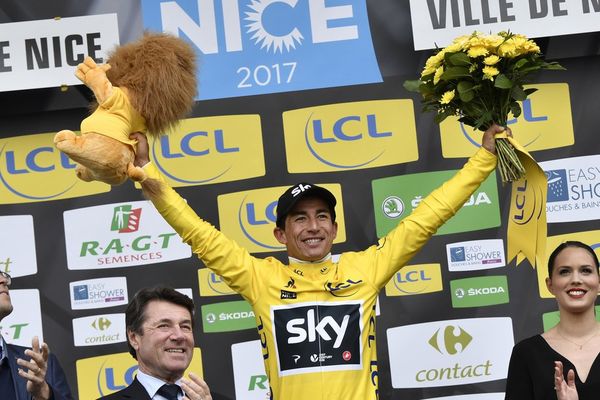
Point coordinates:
[[480, 79]]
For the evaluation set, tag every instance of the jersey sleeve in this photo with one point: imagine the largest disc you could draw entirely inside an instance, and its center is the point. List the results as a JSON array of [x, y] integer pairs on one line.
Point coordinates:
[[234, 264], [395, 250]]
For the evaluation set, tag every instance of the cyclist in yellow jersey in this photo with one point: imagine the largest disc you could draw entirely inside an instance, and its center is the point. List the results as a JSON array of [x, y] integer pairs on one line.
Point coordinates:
[[316, 317]]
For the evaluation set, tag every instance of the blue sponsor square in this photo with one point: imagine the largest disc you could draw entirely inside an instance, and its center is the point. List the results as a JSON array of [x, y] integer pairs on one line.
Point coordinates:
[[80, 292], [558, 189], [457, 254], [250, 47]]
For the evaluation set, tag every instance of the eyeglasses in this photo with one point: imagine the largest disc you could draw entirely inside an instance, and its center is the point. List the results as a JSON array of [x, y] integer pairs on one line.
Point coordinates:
[[7, 277]]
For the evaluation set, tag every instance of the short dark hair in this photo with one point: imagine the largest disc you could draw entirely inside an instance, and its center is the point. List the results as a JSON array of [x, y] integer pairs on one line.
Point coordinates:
[[135, 314], [566, 244], [288, 200]]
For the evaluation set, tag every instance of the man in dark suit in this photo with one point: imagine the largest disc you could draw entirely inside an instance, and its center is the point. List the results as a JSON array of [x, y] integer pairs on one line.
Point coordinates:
[[159, 323], [39, 378]]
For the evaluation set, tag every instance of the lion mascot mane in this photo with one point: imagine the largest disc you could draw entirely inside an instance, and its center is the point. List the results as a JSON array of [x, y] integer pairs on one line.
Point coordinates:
[[145, 86]]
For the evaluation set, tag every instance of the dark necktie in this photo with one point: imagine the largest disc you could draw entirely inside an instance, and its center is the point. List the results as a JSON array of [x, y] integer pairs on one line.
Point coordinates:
[[169, 391]]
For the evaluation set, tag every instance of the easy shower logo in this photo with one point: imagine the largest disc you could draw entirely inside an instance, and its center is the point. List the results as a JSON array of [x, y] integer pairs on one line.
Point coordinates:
[[475, 255], [481, 210], [545, 123], [32, 170], [251, 47], [249, 217], [228, 147], [348, 136], [573, 189], [98, 293], [448, 353]]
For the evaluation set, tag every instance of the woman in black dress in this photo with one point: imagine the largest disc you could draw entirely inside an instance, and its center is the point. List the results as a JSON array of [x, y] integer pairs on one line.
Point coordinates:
[[573, 345]]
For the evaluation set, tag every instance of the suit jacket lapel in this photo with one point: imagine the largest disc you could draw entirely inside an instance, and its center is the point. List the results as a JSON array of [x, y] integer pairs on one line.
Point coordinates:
[[20, 384]]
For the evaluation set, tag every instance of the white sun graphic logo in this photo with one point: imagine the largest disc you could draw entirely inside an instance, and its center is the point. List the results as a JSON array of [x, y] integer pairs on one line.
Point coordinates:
[[260, 35]]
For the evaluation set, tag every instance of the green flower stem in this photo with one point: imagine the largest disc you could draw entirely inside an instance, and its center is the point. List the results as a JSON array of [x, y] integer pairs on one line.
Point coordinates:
[[510, 167]]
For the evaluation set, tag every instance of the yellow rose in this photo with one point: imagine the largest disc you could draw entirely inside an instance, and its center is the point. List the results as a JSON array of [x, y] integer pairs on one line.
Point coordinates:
[[447, 97], [491, 60]]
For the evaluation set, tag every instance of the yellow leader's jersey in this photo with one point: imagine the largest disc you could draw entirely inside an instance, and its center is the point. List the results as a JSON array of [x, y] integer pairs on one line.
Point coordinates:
[[316, 321]]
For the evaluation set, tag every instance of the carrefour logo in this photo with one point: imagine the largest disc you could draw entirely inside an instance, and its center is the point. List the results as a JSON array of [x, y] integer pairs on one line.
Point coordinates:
[[99, 329], [348, 136], [415, 279], [229, 147], [32, 169], [545, 123], [452, 352], [255, 217], [106, 374], [110, 236], [450, 340], [479, 291], [264, 46]]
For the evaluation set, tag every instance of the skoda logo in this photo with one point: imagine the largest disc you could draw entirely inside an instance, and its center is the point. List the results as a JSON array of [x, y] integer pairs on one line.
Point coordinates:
[[392, 206], [210, 318], [460, 293]]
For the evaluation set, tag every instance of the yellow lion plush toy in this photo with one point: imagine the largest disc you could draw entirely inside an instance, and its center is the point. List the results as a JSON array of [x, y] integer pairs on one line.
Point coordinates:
[[146, 86]]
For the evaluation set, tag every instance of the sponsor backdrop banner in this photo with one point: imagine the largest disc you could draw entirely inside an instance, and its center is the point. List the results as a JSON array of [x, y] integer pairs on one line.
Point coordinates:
[[289, 91]]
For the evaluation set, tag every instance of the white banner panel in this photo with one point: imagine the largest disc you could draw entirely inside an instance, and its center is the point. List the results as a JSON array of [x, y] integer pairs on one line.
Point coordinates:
[[45, 53], [25, 322], [437, 22], [448, 353], [17, 245], [249, 375]]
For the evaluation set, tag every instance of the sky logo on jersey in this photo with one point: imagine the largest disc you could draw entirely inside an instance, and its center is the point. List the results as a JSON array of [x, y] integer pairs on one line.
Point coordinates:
[[17, 246], [479, 291], [481, 211], [545, 123], [229, 148], [103, 375], [415, 279], [99, 329], [111, 236], [475, 255], [266, 46], [249, 377], [98, 293], [25, 321], [32, 169], [448, 353], [227, 317], [211, 284], [348, 136], [248, 217], [588, 237], [573, 188], [320, 336]]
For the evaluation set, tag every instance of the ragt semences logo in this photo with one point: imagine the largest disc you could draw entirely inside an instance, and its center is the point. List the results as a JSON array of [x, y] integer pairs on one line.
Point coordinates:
[[120, 235], [265, 46]]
